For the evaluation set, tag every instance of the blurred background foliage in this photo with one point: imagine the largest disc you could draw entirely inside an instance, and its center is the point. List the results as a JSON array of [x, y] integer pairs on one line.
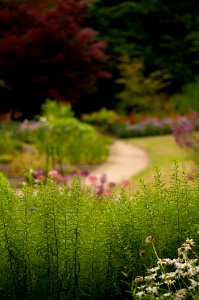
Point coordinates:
[[122, 55]]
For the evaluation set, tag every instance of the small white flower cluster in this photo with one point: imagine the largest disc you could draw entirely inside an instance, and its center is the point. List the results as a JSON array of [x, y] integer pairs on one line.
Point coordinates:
[[171, 278]]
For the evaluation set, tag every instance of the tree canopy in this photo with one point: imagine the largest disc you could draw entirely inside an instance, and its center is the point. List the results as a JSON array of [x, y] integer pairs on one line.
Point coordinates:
[[163, 33], [60, 49], [47, 52]]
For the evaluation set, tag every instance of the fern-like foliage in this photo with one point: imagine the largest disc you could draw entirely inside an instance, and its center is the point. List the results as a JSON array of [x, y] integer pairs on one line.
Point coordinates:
[[60, 242]]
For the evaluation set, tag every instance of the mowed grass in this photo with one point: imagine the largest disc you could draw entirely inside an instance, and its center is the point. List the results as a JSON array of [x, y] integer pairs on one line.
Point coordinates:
[[164, 153]]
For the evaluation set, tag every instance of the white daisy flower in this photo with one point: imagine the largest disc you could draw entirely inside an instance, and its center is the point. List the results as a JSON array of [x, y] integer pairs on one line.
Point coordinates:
[[140, 294], [170, 281], [194, 283], [167, 294], [167, 275], [150, 277], [190, 242], [152, 290], [181, 293], [153, 270], [164, 261]]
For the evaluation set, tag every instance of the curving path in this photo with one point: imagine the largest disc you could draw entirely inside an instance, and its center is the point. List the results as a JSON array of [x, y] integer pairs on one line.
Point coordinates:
[[125, 160]]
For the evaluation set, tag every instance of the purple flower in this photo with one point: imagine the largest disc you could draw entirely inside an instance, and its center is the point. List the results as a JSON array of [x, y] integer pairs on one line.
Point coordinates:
[[74, 173], [64, 179], [32, 209], [38, 172], [84, 173], [103, 178], [182, 132], [100, 190], [112, 184]]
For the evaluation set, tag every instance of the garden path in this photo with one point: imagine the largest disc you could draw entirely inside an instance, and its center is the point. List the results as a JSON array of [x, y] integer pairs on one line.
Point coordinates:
[[124, 161]]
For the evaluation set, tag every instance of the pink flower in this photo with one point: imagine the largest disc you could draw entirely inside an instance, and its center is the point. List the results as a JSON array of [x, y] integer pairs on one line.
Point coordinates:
[[107, 192], [41, 177], [125, 183], [92, 179], [54, 174]]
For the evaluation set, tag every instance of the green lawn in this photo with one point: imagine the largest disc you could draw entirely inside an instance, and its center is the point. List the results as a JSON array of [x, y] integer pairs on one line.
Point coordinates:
[[164, 153]]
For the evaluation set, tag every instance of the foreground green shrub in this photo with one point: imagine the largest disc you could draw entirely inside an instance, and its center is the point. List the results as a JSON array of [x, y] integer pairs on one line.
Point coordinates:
[[60, 242]]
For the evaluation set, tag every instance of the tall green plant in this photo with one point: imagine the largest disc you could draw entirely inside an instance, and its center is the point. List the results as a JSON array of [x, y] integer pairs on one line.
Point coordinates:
[[61, 242]]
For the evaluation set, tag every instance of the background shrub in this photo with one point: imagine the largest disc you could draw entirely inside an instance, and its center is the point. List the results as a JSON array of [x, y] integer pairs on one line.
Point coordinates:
[[103, 117], [65, 138], [9, 144], [188, 99]]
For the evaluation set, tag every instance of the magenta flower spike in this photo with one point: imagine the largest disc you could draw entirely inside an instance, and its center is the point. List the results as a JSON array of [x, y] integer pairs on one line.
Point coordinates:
[[100, 190], [84, 173], [103, 178], [64, 179], [74, 173]]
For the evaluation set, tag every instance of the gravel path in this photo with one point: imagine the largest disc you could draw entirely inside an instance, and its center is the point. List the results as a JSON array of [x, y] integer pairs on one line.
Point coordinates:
[[125, 160]]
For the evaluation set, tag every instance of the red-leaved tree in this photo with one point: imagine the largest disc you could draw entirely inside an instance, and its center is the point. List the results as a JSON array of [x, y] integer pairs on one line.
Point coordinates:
[[46, 52]]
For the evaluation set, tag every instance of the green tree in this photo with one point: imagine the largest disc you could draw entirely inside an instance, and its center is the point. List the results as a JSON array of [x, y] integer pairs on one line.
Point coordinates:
[[163, 33], [140, 92]]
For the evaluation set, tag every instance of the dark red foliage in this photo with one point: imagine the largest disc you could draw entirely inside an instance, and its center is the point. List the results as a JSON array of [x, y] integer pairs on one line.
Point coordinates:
[[46, 52]]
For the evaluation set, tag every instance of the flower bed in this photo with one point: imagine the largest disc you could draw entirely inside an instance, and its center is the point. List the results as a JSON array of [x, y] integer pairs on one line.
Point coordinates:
[[99, 185], [137, 125], [148, 126]]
